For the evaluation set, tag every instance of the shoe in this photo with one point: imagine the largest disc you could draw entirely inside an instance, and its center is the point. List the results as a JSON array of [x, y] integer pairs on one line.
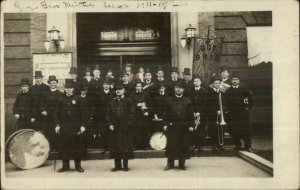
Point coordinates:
[[80, 170], [249, 150], [182, 167], [114, 169], [168, 167], [125, 169], [62, 170]]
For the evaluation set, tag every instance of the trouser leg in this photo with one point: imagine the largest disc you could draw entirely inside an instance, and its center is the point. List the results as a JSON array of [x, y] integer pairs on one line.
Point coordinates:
[[125, 163], [77, 163], [171, 162], [66, 164], [118, 163], [181, 162]]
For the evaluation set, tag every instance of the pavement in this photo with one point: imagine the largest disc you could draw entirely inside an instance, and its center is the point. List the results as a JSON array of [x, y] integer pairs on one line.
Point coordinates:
[[213, 166]]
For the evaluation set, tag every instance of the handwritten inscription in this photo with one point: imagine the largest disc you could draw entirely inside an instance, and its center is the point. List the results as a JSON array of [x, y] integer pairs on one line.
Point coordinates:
[[88, 4]]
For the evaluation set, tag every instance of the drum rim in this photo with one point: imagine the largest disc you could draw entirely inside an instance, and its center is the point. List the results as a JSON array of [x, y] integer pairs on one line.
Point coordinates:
[[12, 136], [21, 132]]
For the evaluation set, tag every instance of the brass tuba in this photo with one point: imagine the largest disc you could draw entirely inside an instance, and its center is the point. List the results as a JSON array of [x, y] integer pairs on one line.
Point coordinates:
[[220, 121]]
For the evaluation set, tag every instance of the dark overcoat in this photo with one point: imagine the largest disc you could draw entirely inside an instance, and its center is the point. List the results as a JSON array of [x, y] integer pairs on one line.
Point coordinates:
[[37, 92], [49, 103], [70, 117], [239, 111], [121, 115], [23, 106], [199, 99], [141, 123], [178, 117]]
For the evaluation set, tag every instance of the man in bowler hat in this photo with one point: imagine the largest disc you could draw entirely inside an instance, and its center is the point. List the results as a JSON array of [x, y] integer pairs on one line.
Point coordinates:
[[22, 107], [120, 117], [73, 76], [48, 109]]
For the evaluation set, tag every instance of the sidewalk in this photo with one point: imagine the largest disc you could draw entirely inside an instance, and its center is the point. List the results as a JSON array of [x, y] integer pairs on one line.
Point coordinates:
[[147, 168]]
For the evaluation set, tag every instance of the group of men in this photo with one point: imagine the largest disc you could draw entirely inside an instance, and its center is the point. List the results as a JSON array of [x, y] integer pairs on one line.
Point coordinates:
[[122, 112]]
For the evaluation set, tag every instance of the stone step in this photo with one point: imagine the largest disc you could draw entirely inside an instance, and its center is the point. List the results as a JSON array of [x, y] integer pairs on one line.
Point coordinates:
[[94, 154]]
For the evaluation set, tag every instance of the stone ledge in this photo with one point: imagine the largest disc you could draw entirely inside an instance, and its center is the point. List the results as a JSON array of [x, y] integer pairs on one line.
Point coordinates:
[[258, 161]]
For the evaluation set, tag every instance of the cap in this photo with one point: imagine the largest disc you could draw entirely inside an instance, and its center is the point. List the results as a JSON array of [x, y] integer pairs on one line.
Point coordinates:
[[52, 78], [69, 83], [25, 81]]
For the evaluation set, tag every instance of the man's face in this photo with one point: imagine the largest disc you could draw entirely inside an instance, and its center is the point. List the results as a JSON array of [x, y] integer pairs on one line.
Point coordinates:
[[235, 81], [128, 69], [88, 73], [126, 78], [69, 91], [141, 69], [39, 80], [53, 84], [148, 76], [73, 76], [109, 73], [106, 86], [216, 84], [178, 90], [162, 89], [186, 77], [83, 92], [174, 75], [138, 87], [160, 74], [197, 82], [120, 92], [225, 74], [96, 73], [25, 87]]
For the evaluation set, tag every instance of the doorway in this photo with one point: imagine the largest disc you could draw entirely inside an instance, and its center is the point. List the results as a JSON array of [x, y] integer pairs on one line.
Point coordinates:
[[114, 39]]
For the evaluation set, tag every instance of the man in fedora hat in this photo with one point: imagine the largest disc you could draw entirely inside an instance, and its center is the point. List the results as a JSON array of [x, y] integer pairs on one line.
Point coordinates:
[[48, 108], [101, 131], [128, 70], [22, 107], [120, 117], [37, 91], [178, 124], [73, 76], [240, 103], [129, 86], [187, 79], [70, 125]]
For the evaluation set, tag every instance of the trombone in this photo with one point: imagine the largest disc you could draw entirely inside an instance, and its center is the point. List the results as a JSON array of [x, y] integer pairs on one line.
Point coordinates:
[[220, 121]]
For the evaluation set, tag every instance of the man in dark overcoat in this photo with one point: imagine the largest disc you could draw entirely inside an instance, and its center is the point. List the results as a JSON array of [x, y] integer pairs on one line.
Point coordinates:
[[142, 123], [198, 97], [37, 90], [187, 80], [48, 108], [120, 117], [173, 81], [70, 125], [22, 107], [101, 131], [95, 86], [73, 76], [179, 124], [213, 112], [240, 103]]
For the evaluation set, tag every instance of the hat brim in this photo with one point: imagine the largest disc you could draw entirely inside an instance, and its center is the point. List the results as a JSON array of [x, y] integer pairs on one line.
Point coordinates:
[[52, 80]]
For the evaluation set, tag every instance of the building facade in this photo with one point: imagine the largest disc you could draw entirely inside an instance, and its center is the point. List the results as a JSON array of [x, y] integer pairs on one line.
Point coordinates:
[[25, 33]]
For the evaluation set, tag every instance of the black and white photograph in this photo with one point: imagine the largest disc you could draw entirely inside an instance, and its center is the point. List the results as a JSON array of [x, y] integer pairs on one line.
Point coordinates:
[[149, 95]]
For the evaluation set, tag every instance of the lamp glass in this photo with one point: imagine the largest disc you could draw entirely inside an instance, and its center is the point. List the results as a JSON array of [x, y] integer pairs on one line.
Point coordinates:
[[47, 45], [62, 44], [183, 42]]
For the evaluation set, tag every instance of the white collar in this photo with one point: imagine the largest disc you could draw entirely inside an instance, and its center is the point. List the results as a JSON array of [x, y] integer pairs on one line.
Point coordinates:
[[106, 90], [216, 90], [162, 93], [178, 96], [197, 88], [53, 90], [235, 86], [224, 79]]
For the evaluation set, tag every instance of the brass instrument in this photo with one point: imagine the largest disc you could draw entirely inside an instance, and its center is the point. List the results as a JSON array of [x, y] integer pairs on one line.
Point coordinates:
[[220, 121], [197, 121]]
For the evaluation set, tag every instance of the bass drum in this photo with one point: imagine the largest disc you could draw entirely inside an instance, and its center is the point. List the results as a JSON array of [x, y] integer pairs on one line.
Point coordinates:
[[158, 141], [27, 149]]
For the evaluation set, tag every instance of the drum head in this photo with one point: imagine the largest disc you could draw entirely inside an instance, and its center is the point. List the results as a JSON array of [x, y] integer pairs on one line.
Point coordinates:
[[158, 141], [28, 149]]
